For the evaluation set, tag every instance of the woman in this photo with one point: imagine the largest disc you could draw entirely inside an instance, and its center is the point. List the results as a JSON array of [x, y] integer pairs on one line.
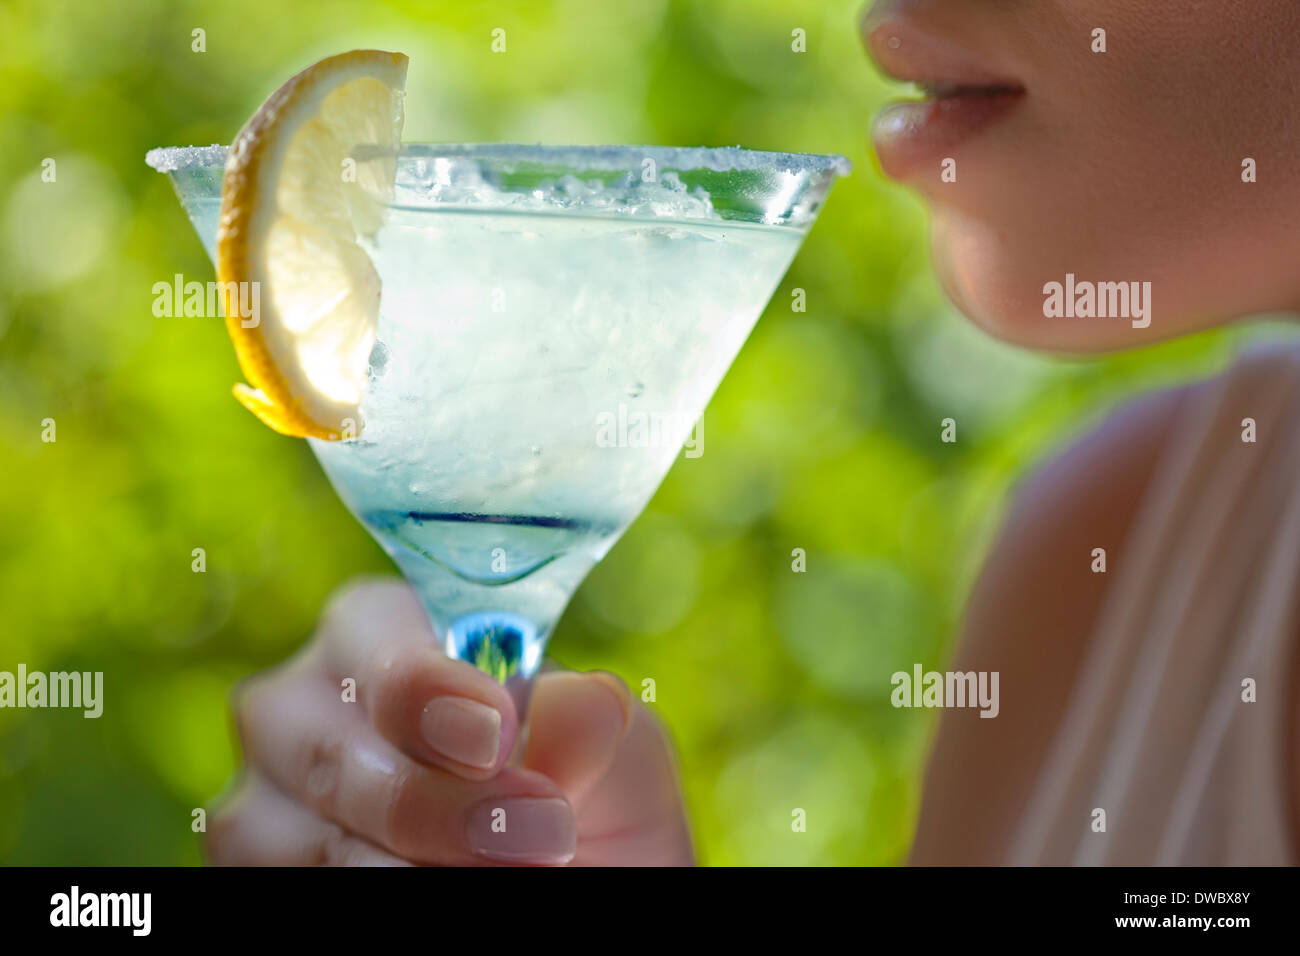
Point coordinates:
[[1101, 174]]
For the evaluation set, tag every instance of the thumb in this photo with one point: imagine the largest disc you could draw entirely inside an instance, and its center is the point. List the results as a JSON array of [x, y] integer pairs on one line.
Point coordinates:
[[575, 725]]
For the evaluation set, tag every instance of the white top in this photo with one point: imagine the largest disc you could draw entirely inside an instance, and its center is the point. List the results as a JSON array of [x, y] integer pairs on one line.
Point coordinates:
[[1156, 731]]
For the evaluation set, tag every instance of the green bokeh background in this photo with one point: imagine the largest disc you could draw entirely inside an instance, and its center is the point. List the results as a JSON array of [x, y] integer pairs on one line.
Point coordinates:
[[825, 435]]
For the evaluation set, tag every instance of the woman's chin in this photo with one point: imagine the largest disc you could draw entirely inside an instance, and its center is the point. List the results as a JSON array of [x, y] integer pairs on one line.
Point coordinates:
[[992, 286]]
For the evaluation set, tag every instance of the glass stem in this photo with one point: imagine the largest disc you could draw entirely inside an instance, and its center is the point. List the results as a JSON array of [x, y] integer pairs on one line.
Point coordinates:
[[504, 646]]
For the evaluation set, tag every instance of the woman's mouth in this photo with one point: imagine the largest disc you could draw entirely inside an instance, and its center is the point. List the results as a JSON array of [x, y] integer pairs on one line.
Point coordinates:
[[961, 94], [910, 135]]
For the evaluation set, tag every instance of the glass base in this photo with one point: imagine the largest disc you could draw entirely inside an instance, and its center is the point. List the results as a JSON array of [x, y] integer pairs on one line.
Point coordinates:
[[505, 646]]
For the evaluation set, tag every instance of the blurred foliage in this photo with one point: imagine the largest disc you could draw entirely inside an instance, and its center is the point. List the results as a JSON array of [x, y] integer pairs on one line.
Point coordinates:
[[823, 437]]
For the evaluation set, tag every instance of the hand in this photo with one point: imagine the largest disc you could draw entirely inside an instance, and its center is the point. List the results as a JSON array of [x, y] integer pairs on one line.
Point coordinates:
[[413, 771]]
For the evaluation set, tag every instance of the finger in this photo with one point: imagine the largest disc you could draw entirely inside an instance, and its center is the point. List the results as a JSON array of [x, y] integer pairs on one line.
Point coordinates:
[[260, 826], [436, 710], [326, 755], [634, 815], [574, 728]]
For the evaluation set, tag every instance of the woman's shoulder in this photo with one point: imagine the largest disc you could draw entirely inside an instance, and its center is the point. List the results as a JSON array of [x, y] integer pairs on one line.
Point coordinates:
[[1028, 619], [1101, 476], [1039, 596]]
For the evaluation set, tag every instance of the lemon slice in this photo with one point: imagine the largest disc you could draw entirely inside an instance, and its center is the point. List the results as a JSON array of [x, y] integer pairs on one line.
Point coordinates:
[[294, 203]]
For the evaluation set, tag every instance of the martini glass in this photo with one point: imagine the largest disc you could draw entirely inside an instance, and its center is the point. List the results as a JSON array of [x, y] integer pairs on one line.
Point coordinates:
[[553, 321]]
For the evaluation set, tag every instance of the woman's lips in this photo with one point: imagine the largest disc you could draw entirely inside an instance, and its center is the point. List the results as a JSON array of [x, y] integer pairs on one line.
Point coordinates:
[[965, 91], [911, 136]]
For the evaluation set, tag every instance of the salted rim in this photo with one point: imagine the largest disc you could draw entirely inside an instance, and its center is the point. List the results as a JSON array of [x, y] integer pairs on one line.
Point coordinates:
[[168, 159]]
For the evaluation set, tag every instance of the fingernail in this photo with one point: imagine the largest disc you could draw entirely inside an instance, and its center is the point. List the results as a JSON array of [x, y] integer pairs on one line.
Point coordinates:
[[619, 690], [462, 730], [523, 830]]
